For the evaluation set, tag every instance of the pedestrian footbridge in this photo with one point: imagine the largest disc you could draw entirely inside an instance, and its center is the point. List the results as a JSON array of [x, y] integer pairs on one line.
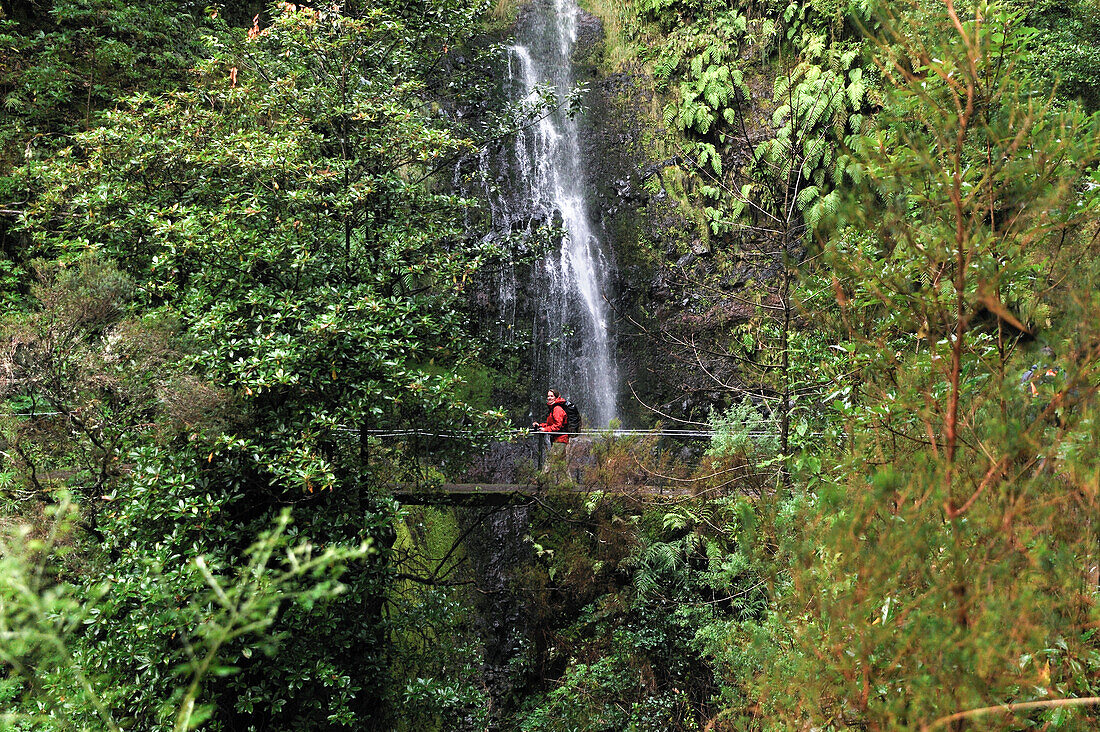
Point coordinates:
[[646, 467]]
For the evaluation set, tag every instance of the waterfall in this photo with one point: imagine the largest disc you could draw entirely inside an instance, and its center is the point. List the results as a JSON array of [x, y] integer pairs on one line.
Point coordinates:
[[575, 350], [537, 178]]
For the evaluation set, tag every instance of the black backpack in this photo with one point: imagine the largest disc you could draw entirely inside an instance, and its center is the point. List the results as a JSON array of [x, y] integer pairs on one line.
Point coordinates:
[[572, 419]]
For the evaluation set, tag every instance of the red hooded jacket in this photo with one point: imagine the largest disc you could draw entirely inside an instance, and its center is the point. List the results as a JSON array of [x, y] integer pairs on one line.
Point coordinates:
[[555, 421]]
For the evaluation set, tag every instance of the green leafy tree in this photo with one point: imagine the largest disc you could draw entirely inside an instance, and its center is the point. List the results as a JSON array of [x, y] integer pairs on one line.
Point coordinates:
[[283, 210], [269, 209], [66, 61], [940, 577], [61, 63], [87, 381]]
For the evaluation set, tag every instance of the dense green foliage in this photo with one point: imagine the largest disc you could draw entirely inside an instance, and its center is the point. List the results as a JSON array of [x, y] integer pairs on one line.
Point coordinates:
[[231, 258], [235, 273], [1063, 52], [951, 546], [756, 161], [60, 64], [932, 558]]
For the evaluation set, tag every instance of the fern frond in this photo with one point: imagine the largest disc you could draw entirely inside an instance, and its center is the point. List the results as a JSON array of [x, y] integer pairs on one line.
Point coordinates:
[[670, 114], [855, 92], [813, 151], [780, 114], [782, 86], [806, 196], [697, 66], [813, 45], [848, 57]]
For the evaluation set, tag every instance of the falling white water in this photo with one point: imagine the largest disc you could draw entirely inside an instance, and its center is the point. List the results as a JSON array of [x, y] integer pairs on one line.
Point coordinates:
[[576, 352]]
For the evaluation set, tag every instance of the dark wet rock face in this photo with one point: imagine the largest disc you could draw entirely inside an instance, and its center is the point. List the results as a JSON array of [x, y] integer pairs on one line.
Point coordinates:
[[677, 284], [505, 462], [653, 238], [499, 555]]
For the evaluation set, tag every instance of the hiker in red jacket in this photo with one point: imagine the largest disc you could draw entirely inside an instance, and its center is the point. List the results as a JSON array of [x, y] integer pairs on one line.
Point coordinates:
[[555, 421]]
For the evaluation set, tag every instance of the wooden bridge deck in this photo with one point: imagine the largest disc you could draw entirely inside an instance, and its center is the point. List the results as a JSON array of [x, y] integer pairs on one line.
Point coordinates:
[[505, 493]]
